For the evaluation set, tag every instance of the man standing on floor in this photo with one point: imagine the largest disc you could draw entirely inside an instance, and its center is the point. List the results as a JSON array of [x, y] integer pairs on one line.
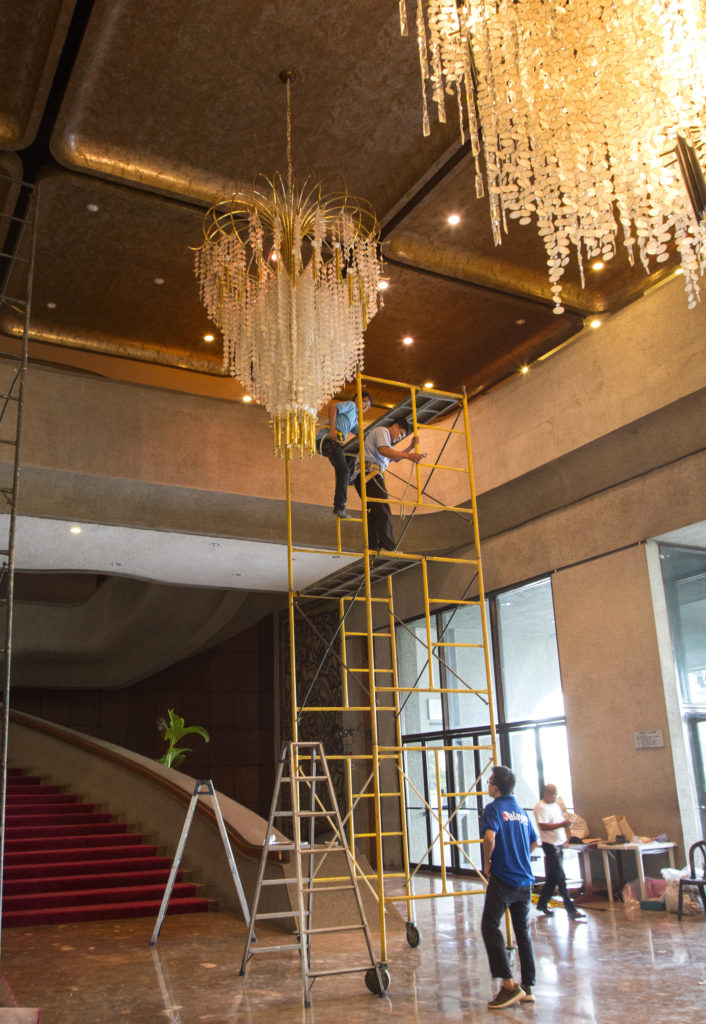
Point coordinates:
[[342, 420], [508, 839], [379, 453], [552, 824]]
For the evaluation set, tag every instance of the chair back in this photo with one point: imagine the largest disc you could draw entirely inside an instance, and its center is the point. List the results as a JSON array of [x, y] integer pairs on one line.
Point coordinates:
[[696, 851]]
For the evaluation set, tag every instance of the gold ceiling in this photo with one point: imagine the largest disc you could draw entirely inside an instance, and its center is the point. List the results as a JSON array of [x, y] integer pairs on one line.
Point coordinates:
[[131, 118]]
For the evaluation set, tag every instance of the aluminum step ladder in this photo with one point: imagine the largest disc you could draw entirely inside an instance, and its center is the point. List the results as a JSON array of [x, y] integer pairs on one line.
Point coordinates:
[[303, 774]]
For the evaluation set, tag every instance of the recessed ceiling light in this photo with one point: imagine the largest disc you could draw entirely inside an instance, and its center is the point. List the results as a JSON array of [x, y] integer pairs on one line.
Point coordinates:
[[209, 337], [520, 322], [237, 574], [408, 340], [598, 265], [679, 270], [454, 219], [75, 529], [383, 285], [159, 280], [116, 564], [428, 384], [247, 398], [51, 305], [273, 256], [214, 543], [524, 369], [91, 207], [595, 323]]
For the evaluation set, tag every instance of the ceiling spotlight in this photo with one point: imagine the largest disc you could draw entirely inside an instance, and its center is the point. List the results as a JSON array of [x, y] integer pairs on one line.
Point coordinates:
[[159, 280], [51, 305], [383, 285], [454, 219], [247, 398], [595, 323], [209, 337], [116, 565], [75, 529], [679, 270], [273, 256], [91, 207], [520, 322], [598, 265], [408, 340], [214, 543], [524, 369], [428, 384]]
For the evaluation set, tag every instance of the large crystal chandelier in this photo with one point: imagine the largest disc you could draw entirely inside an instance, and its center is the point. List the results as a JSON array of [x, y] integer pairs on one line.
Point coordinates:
[[587, 114], [290, 275]]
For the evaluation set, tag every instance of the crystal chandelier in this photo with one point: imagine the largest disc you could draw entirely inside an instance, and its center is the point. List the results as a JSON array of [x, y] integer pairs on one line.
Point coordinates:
[[583, 111], [290, 275]]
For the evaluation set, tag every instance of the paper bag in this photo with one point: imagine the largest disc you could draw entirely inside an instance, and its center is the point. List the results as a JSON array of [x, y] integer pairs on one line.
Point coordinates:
[[617, 825]]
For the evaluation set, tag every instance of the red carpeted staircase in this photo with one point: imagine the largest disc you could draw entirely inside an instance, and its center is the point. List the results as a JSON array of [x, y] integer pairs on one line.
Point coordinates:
[[66, 862]]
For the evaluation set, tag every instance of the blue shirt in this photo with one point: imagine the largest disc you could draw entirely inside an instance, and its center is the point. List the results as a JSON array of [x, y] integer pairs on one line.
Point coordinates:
[[346, 421], [514, 834]]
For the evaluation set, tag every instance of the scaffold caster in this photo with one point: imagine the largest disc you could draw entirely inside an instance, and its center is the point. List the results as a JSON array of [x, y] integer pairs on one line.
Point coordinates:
[[414, 936], [372, 983]]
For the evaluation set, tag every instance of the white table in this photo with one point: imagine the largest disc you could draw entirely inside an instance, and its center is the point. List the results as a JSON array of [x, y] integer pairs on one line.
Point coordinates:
[[640, 850]]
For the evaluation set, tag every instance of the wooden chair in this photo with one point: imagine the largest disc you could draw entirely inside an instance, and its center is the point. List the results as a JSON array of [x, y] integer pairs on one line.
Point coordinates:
[[693, 878]]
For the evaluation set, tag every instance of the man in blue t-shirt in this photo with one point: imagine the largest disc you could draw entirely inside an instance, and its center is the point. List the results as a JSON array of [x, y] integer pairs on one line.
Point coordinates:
[[342, 420], [508, 838]]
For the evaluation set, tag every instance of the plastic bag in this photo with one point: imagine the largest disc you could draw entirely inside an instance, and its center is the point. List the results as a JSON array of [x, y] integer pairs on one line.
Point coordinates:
[[691, 904]]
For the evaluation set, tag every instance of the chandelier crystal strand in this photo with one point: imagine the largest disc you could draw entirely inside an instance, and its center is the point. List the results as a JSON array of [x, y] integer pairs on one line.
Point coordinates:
[[290, 275], [579, 108]]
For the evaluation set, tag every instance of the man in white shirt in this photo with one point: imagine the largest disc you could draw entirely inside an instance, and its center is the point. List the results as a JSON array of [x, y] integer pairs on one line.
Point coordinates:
[[552, 823], [378, 453]]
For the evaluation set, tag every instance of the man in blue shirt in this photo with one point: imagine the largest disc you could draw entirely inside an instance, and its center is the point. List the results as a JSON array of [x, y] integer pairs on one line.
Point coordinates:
[[343, 420], [508, 838]]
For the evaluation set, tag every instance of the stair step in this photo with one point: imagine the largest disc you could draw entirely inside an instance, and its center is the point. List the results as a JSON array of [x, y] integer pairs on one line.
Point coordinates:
[[88, 880], [44, 836], [140, 860], [87, 897], [101, 911], [48, 819], [30, 786], [32, 800], [73, 848]]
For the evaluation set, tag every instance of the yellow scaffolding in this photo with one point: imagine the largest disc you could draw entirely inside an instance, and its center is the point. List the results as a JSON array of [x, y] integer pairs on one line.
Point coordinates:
[[377, 779]]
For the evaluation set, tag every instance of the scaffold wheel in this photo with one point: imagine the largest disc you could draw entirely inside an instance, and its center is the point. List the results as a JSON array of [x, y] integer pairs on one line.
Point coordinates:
[[372, 983], [414, 936]]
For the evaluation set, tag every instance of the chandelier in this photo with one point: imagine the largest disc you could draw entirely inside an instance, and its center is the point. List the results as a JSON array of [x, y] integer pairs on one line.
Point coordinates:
[[290, 275], [590, 118]]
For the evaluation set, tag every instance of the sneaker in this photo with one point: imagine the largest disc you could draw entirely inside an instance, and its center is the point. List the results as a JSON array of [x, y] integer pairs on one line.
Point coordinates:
[[545, 910], [342, 513], [506, 997], [527, 994]]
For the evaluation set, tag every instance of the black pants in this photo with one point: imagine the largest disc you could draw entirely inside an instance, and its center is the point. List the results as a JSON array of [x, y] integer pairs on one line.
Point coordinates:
[[500, 897], [554, 878], [335, 454], [380, 532]]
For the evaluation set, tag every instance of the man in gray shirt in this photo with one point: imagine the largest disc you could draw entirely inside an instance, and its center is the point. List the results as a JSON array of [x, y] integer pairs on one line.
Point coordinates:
[[379, 453]]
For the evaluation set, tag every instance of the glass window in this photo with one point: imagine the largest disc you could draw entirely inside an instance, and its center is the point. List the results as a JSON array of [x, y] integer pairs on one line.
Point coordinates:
[[465, 666], [684, 573], [420, 711], [530, 660]]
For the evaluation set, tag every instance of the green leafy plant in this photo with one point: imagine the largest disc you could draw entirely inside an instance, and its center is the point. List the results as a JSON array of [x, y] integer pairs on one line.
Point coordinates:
[[173, 731]]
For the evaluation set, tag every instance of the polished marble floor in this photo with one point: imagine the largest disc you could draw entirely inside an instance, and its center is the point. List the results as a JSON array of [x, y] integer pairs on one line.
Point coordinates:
[[622, 965]]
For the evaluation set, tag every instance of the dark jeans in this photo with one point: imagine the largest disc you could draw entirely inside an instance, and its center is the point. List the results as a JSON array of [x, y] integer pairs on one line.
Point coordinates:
[[554, 878], [380, 532], [335, 454], [500, 897]]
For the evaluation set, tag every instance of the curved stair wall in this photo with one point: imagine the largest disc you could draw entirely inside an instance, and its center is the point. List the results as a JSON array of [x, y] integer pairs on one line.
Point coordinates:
[[150, 797]]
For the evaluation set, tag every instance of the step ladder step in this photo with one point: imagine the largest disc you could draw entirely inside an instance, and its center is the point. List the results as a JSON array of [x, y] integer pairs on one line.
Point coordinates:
[[276, 915], [334, 928]]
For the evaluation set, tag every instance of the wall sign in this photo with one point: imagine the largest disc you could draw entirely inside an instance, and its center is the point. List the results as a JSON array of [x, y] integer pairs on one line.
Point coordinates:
[[649, 740]]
